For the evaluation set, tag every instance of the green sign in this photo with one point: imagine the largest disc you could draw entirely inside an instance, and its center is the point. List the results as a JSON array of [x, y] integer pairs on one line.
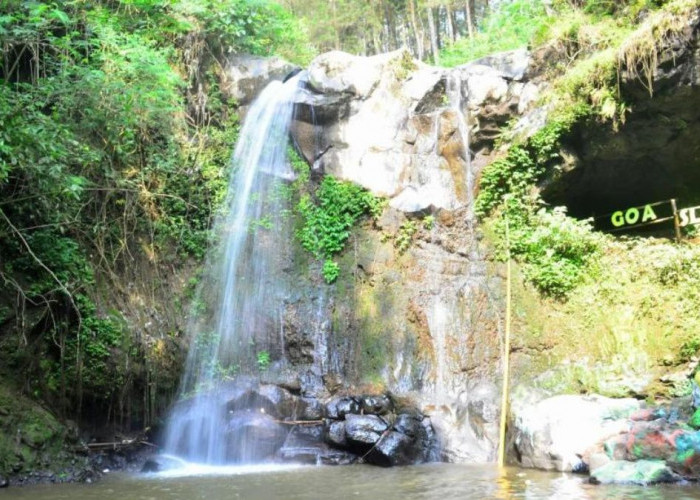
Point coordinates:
[[689, 216], [635, 217]]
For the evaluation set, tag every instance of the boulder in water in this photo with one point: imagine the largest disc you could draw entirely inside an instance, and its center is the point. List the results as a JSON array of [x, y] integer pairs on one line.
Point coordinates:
[[642, 472], [376, 405], [363, 431], [4, 483], [335, 434], [150, 465], [339, 407], [558, 433], [395, 448], [253, 437]]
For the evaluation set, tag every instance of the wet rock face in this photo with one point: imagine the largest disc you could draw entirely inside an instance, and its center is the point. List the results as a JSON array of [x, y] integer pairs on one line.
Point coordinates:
[[419, 323], [395, 126]]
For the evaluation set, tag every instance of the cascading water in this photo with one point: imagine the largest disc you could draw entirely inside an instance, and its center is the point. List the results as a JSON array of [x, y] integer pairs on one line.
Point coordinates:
[[455, 96], [240, 325]]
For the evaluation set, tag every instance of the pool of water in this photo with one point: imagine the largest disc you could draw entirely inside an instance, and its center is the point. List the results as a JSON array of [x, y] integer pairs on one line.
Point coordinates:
[[432, 481]]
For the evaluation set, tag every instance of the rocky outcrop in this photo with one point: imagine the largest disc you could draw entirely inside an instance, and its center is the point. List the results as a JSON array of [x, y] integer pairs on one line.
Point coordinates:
[[413, 133], [421, 322], [560, 433], [266, 422], [615, 440], [244, 76]]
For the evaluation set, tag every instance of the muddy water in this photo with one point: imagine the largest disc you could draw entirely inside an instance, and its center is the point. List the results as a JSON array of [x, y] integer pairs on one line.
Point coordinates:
[[434, 481]]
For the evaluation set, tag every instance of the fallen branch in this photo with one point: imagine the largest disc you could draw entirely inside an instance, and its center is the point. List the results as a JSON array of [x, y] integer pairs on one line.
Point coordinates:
[[299, 422]]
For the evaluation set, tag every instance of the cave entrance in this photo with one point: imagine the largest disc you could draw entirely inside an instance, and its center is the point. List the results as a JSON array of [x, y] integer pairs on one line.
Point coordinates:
[[654, 156]]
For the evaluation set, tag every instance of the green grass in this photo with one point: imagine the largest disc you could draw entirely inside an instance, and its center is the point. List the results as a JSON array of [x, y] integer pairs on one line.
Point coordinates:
[[509, 27], [634, 317]]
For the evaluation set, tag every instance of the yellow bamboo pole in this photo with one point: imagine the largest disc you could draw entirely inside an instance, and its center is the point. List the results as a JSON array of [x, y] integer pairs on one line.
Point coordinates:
[[506, 354]]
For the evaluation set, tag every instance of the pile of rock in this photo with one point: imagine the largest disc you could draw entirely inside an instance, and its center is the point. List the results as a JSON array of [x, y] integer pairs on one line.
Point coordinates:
[[270, 423], [614, 440]]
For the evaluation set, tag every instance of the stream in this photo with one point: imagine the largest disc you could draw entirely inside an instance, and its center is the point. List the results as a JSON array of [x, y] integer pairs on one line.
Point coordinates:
[[430, 481]]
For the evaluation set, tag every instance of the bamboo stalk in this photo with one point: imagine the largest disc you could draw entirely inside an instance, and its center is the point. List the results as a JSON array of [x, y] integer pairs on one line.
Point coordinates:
[[506, 354]]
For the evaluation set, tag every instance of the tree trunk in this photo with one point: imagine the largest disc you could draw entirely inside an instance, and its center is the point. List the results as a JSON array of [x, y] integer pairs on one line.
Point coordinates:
[[434, 42], [417, 34], [451, 25], [336, 24], [393, 39], [376, 42], [468, 5], [448, 25]]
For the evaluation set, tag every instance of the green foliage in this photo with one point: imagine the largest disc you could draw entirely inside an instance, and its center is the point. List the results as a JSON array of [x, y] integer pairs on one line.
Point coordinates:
[[512, 25], [677, 267], [263, 360], [555, 249], [523, 166], [428, 222], [689, 348], [328, 216], [257, 27], [404, 237], [114, 148], [331, 271], [609, 7]]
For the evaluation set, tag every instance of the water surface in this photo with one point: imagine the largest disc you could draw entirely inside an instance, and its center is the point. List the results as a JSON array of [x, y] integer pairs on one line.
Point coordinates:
[[431, 481]]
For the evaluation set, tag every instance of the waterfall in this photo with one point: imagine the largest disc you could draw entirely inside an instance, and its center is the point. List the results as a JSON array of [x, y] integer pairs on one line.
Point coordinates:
[[456, 95], [236, 318]]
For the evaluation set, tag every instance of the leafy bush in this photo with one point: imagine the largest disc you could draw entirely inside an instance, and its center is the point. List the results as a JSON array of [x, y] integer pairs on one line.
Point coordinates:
[[556, 250], [331, 271], [523, 166], [405, 235], [328, 217], [263, 359]]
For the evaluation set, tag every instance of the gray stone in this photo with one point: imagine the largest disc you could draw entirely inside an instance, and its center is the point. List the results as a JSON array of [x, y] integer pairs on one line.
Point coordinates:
[[340, 72], [363, 431], [376, 405], [270, 399], [395, 126], [641, 472], [304, 435], [310, 409], [557, 433], [335, 434], [245, 76], [339, 407], [395, 448], [253, 437], [512, 64]]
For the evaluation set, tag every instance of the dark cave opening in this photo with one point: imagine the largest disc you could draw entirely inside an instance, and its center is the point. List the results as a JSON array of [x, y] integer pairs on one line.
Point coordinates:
[[654, 156]]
